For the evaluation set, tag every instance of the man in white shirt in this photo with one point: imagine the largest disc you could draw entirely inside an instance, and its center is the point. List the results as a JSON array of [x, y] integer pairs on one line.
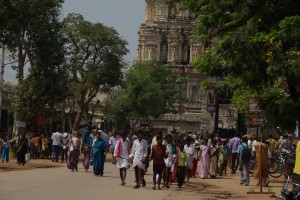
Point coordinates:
[[56, 142], [113, 140], [139, 154]]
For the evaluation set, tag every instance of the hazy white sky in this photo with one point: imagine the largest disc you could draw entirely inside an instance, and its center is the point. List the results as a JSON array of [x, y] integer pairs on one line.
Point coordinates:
[[125, 16]]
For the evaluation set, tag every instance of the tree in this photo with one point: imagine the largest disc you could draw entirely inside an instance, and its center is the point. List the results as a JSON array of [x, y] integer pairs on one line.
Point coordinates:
[[32, 32], [150, 91], [95, 60], [255, 45]]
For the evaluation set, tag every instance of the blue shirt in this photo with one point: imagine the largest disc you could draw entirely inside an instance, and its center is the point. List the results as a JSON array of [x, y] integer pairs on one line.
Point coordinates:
[[240, 149]]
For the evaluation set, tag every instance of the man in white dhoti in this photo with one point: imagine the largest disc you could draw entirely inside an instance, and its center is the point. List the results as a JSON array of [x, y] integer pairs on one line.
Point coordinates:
[[139, 154], [121, 154]]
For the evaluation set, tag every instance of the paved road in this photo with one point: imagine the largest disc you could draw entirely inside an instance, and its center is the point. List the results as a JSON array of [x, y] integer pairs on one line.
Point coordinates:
[[61, 184]]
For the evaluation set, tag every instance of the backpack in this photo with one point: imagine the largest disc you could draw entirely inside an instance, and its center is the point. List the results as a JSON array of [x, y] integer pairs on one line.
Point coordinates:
[[246, 154]]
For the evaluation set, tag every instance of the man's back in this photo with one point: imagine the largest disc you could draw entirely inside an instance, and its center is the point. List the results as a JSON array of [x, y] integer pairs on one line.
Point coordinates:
[[234, 144], [56, 138]]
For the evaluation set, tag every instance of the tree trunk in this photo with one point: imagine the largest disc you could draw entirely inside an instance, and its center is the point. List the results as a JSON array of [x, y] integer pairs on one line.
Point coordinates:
[[94, 109], [83, 103], [63, 118], [70, 119], [20, 76], [78, 119]]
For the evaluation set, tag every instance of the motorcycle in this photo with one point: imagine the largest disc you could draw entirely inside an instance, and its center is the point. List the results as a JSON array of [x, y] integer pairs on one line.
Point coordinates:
[[287, 193]]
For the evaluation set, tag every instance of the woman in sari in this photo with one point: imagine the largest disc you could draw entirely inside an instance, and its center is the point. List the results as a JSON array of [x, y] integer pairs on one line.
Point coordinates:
[[74, 147], [22, 144], [204, 155], [214, 151], [98, 150]]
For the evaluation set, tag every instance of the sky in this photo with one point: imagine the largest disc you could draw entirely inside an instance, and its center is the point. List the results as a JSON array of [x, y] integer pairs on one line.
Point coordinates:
[[125, 16]]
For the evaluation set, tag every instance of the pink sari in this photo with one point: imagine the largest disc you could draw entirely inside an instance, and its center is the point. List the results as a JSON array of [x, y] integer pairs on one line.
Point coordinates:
[[204, 162]]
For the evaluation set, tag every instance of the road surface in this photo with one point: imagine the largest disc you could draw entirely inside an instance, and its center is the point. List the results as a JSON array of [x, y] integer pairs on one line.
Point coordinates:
[[45, 180]]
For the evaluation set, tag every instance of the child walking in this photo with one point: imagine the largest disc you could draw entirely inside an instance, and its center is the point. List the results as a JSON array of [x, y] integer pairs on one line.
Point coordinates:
[[181, 165]]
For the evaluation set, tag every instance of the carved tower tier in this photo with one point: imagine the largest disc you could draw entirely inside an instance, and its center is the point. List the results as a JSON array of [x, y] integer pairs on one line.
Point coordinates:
[[166, 36]]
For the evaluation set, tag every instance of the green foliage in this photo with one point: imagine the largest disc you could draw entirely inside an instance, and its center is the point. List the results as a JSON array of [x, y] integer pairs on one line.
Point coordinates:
[[94, 59], [254, 44], [32, 33], [94, 54], [150, 91]]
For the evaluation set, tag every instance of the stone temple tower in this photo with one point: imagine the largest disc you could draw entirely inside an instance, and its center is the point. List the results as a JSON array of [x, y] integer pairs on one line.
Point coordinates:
[[166, 36]]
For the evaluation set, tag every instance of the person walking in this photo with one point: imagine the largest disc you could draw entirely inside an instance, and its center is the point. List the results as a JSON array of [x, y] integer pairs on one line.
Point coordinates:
[[196, 144], [121, 155], [1, 145], [244, 155], [170, 160], [64, 145], [105, 137], [112, 141], [234, 144], [85, 139], [158, 155], [204, 156], [214, 151], [56, 142], [189, 149], [139, 154], [272, 144], [45, 147], [181, 160], [86, 148], [98, 150], [223, 159], [75, 151], [5, 150], [22, 144]]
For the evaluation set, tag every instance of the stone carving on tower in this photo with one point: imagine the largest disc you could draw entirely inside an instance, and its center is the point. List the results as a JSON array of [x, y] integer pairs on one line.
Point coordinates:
[[166, 36]]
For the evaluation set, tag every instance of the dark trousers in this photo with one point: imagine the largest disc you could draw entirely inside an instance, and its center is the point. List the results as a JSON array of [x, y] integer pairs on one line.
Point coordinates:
[[234, 159], [64, 153], [21, 156], [180, 175], [167, 177], [55, 152], [139, 176]]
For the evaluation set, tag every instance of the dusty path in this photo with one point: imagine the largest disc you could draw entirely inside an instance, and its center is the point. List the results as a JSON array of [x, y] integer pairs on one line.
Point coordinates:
[[44, 176]]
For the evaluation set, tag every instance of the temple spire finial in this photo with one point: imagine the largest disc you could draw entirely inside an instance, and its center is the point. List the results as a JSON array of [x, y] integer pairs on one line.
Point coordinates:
[[148, 12]]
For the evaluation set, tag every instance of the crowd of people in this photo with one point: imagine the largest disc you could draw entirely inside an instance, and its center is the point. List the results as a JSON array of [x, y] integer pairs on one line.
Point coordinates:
[[175, 158]]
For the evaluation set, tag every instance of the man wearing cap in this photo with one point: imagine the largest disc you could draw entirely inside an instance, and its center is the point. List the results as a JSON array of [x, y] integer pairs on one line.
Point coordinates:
[[139, 154]]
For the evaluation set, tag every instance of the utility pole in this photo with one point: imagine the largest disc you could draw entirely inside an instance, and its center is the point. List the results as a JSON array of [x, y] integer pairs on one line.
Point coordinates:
[[1, 82]]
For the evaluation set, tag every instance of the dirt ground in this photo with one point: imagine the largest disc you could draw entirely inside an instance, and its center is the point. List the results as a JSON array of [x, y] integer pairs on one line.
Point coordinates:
[[225, 187], [222, 187]]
